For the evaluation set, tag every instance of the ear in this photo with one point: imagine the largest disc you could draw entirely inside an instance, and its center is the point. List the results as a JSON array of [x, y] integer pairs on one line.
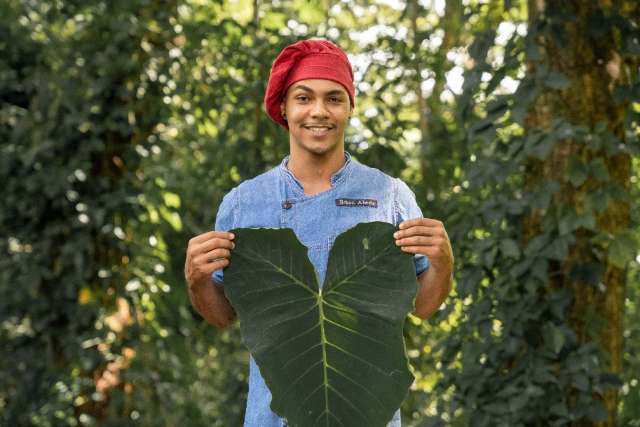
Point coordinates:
[[282, 109]]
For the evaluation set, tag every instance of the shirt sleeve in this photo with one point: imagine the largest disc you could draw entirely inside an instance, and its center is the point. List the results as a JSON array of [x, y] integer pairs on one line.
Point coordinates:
[[406, 208], [225, 221]]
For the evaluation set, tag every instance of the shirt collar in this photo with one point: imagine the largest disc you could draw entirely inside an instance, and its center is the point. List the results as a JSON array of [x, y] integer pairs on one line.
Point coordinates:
[[335, 178]]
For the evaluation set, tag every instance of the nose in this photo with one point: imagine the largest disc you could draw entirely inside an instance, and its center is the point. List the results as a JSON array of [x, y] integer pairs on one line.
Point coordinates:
[[319, 109]]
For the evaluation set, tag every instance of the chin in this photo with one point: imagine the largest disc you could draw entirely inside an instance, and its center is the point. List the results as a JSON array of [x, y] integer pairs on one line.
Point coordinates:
[[319, 148]]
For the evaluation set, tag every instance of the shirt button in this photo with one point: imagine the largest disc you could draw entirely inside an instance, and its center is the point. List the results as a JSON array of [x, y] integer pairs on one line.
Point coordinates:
[[286, 204]]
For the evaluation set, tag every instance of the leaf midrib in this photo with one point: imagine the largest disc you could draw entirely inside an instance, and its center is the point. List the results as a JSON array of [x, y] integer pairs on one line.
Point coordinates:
[[323, 340]]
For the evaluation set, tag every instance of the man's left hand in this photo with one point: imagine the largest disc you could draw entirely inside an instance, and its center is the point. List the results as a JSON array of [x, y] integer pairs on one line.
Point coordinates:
[[427, 237]]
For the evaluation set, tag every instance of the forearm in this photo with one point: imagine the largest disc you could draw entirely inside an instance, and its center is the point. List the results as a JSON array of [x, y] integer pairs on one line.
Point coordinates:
[[209, 300], [433, 288]]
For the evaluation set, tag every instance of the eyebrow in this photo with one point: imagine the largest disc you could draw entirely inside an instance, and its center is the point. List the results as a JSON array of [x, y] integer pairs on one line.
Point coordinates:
[[308, 89]]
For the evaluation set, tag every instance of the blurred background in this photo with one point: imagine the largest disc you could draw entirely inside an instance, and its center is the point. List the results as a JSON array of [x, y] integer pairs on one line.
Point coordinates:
[[123, 123]]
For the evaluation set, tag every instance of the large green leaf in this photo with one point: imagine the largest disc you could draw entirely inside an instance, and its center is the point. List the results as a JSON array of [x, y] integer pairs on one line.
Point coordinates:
[[333, 356]]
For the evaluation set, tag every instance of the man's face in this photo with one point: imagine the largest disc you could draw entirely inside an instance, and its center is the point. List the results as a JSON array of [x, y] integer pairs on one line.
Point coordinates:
[[317, 112]]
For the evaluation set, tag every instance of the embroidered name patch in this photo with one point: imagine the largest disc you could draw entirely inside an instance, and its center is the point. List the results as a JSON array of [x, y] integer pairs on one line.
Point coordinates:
[[372, 203]]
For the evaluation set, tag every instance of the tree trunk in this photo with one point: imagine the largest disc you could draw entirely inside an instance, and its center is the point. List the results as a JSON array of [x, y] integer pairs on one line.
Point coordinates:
[[594, 68], [430, 110]]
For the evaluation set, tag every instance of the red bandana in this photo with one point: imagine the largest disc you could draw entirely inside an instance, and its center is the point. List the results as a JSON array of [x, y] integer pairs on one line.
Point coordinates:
[[306, 59]]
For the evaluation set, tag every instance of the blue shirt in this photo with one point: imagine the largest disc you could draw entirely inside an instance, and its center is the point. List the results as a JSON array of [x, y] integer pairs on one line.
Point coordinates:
[[276, 199]]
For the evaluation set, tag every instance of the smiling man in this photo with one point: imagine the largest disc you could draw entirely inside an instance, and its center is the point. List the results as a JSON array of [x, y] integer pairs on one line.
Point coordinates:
[[319, 192]]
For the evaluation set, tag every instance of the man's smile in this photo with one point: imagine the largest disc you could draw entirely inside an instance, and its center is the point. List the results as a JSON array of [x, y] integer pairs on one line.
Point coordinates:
[[318, 130]]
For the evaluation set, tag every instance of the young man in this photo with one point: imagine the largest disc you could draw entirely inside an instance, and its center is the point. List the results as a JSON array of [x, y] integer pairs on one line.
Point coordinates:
[[319, 192]]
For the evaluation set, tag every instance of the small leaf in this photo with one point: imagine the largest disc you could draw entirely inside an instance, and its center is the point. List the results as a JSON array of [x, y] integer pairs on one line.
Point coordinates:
[[171, 200], [533, 50], [518, 402], [598, 169], [490, 256], [540, 269], [535, 245], [558, 249], [577, 172], [535, 391], [598, 412], [622, 250], [556, 80], [509, 248], [581, 382], [611, 380], [558, 304], [590, 273], [543, 148], [587, 221], [554, 337], [173, 218], [559, 409]]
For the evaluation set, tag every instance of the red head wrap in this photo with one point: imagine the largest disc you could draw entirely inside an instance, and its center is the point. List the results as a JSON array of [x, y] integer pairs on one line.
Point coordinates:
[[306, 59]]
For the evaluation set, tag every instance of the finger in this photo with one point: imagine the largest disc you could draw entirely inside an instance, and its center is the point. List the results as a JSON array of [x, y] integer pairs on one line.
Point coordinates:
[[419, 230], [216, 254], [214, 265], [419, 221], [212, 244], [208, 265], [418, 241], [211, 235], [211, 256]]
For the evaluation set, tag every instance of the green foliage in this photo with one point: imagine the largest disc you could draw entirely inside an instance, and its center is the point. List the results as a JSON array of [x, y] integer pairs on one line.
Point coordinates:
[[75, 107], [630, 391], [122, 125], [332, 354], [516, 358]]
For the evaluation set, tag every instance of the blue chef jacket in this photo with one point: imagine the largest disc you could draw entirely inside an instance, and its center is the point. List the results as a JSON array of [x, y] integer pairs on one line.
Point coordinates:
[[276, 199]]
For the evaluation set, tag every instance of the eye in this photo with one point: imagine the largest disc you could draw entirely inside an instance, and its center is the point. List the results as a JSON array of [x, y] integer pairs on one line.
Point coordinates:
[[302, 98]]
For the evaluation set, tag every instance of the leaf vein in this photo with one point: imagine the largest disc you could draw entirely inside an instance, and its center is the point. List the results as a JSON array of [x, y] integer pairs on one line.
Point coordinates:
[[353, 331], [358, 385]]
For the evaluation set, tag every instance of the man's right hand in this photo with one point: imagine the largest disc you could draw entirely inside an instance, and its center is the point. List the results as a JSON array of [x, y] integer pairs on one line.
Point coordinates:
[[206, 253]]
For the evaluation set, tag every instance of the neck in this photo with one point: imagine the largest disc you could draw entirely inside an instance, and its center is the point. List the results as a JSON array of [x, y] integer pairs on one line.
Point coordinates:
[[315, 171]]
